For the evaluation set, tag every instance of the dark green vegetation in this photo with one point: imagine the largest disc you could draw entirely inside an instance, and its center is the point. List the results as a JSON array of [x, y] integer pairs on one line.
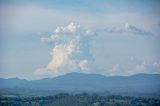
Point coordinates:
[[64, 99]]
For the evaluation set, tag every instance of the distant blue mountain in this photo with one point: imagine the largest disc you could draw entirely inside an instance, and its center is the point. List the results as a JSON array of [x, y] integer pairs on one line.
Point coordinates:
[[141, 83], [11, 82]]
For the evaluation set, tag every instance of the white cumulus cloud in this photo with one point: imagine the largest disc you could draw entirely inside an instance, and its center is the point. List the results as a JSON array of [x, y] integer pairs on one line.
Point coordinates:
[[71, 51]]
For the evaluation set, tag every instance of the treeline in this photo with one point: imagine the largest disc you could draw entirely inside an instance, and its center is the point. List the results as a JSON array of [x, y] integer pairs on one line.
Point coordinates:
[[84, 99]]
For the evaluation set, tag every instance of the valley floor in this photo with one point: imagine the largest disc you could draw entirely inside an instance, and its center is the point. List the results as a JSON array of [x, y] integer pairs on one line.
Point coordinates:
[[84, 99]]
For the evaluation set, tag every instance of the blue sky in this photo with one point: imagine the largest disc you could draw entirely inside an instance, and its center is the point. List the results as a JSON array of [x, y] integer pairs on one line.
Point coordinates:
[[125, 40]]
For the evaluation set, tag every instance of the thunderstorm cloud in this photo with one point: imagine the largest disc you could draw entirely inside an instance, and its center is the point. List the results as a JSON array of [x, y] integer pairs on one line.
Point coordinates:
[[71, 51]]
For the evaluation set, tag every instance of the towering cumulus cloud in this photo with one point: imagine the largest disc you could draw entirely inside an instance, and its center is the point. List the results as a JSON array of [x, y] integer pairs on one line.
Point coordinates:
[[71, 51]]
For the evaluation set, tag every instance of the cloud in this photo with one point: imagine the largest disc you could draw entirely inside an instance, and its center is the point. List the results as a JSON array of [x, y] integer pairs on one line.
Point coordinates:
[[148, 66], [128, 28], [141, 66], [157, 64], [115, 69], [71, 51], [135, 30], [114, 29], [134, 66]]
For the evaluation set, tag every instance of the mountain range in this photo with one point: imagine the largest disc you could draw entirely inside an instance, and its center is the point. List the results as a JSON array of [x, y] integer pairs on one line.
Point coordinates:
[[142, 84]]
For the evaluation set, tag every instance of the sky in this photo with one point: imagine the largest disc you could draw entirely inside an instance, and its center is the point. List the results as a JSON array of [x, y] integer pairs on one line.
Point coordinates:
[[48, 38]]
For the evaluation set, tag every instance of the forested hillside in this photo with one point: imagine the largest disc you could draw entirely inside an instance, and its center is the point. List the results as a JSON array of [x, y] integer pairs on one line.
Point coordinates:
[[84, 99]]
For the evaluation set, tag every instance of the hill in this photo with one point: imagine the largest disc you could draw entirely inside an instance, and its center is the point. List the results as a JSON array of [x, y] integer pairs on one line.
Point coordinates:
[[135, 85]]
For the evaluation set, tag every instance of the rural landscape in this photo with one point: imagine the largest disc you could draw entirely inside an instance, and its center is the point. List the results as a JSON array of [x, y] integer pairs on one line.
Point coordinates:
[[77, 89], [79, 53]]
